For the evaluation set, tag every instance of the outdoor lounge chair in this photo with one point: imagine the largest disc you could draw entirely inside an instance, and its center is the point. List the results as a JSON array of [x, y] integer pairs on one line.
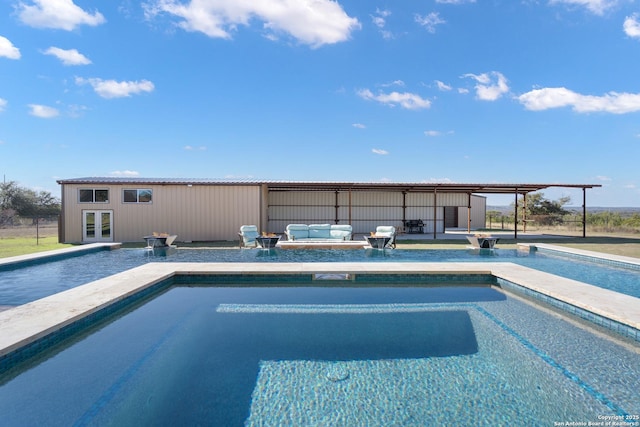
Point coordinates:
[[387, 231], [248, 234]]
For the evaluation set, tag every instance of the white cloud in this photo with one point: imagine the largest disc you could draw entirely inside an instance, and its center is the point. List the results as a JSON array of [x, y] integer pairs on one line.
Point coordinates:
[[393, 83], [43, 111], [191, 148], [8, 50], [442, 86], [311, 22], [386, 34], [430, 21], [114, 89], [355, 125], [438, 180], [127, 173], [436, 133], [597, 7], [455, 1], [407, 100], [3, 104], [490, 86], [380, 20], [631, 26], [379, 151], [76, 110], [557, 97], [68, 56], [603, 178], [238, 176], [58, 14]]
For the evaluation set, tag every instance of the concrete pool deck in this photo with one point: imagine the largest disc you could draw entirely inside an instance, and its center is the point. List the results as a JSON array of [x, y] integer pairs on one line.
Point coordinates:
[[25, 324], [8, 261]]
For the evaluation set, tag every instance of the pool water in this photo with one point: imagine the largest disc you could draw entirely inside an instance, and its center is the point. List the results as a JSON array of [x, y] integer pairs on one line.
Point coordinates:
[[408, 356], [22, 285]]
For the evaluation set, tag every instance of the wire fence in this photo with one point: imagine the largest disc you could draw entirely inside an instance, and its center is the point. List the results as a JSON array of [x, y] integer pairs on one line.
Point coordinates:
[[30, 227], [570, 224]]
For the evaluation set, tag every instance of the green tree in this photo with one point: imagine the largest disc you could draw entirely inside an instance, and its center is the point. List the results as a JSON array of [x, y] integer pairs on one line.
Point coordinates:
[[18, 201], [545, 211]]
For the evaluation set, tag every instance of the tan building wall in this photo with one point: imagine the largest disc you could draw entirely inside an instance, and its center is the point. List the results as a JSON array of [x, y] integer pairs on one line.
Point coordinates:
[[478, 213], [193, 213], [210, 211]]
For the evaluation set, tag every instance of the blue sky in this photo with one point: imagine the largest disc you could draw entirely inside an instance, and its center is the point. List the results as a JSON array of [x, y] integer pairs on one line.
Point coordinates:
[[466, 91]]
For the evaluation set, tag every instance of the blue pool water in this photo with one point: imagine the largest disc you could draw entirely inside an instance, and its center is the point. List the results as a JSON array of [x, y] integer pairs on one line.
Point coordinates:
[[317, 356], [22, 285]]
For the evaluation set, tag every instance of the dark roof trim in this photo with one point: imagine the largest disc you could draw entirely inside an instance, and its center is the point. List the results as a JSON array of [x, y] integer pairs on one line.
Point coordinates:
[[408, 187]]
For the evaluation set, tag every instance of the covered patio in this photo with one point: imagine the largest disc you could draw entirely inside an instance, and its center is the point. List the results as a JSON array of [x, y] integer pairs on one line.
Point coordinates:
[[435, 189]]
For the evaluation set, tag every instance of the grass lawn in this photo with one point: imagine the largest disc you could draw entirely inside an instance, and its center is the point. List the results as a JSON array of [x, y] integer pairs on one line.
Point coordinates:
[[14, 246]]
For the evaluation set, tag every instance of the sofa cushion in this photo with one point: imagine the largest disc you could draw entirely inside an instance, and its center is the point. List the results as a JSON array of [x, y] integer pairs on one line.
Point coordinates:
[[319, 231], [341, 231], [297, 231]]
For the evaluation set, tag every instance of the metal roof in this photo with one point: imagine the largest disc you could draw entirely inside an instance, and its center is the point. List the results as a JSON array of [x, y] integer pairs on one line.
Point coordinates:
[[276, 185]]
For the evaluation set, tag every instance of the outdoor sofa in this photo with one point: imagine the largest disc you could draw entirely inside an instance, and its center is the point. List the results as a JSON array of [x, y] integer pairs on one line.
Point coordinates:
[[319, 232]]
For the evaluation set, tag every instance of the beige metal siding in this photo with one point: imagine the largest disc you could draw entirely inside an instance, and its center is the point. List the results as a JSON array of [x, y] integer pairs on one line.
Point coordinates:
[[452, 199], [478, 213], [194, 213], [202, 212], [364, 210], [73, 210]]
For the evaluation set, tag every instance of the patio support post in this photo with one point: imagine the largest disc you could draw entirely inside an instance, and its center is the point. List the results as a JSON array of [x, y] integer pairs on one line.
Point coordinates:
[[350, 207], [524, 213], [469, 213], [435, 213], [337, 207], [404, 210], [264, 208], [515, 218], [584, 212]]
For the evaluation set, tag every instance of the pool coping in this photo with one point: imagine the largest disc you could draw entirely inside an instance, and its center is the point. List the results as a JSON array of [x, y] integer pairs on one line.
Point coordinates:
[[73, 250], [25, 324], [584, 253]]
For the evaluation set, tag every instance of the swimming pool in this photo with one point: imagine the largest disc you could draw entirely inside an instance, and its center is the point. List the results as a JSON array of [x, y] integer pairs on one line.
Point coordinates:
[[417, 355], [22, 285]]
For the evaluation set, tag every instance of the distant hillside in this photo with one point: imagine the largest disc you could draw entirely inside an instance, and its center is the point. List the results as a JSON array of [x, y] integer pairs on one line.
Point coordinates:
[[628, 211]]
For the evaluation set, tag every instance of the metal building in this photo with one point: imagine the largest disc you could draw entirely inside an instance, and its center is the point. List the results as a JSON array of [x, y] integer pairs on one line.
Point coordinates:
[[126, 209]]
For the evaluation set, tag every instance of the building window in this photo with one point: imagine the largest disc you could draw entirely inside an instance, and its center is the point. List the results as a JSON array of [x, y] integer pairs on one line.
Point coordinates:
[[93, 195], [137, 196]]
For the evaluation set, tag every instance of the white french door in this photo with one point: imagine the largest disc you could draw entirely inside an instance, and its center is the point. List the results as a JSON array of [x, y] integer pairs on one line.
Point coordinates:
[[97, 226]]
